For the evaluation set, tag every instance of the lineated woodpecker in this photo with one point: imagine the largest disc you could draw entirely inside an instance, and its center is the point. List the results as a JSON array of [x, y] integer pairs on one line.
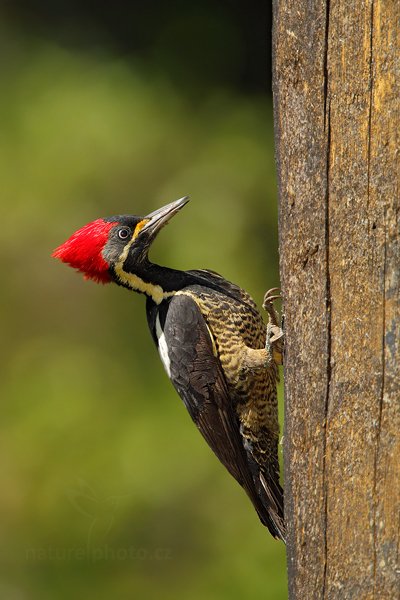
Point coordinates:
[[215, 347]]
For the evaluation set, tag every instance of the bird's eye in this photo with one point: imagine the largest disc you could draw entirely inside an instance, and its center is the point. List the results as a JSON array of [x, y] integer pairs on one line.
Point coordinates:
[[123, 233]]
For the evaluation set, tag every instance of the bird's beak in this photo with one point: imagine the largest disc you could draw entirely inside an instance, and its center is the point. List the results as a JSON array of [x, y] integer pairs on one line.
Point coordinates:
[[160, 217]]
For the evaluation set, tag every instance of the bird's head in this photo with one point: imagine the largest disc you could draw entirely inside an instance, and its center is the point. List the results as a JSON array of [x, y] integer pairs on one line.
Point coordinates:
[[105, 249]]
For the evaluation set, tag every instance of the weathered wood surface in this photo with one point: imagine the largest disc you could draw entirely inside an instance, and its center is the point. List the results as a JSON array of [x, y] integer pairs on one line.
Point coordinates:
[[337, 119]]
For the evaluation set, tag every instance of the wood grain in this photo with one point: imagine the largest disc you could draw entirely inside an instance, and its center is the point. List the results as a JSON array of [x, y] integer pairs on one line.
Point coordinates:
[[337, 123]]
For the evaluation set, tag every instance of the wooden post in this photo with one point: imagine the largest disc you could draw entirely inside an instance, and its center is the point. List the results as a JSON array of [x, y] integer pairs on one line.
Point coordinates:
[[337, 119]]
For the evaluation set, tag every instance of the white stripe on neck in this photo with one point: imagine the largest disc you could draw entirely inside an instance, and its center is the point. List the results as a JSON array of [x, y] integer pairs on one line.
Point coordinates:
[[136, 283]]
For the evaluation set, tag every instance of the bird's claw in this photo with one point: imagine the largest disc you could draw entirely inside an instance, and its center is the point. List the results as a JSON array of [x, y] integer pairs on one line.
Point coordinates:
[[268, 305], [274, 341], [270, 297]]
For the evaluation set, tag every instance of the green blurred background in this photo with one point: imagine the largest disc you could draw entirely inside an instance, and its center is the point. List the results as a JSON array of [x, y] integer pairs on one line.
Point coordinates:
[[107, 489]]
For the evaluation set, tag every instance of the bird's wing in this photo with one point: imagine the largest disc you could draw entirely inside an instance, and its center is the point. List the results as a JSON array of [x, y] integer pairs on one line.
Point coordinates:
[[219, 283], [195, 371]]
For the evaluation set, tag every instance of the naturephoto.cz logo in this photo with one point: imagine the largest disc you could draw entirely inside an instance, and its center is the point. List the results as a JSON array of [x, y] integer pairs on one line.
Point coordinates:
[[99, 512]]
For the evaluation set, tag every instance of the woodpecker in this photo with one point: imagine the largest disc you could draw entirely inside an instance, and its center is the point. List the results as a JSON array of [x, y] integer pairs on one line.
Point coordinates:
[[215, 347]]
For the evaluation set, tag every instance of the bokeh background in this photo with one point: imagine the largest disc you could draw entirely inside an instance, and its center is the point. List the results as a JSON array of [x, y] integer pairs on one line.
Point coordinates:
[[107, 489]]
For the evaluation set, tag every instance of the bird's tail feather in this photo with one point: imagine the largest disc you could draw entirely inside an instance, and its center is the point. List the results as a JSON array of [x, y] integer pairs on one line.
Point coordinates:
[[272, 515]]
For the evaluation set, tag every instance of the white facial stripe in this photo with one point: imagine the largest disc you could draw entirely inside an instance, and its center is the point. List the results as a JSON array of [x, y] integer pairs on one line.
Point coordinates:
[[162, 347], [125, 252], [135, 282]]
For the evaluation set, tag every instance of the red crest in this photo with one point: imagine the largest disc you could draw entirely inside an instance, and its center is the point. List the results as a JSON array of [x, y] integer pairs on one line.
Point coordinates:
[[83, 250]]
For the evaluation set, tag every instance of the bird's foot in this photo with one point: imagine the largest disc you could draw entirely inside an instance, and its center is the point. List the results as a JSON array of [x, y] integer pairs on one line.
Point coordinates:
[[274, 341], [268, 305]]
